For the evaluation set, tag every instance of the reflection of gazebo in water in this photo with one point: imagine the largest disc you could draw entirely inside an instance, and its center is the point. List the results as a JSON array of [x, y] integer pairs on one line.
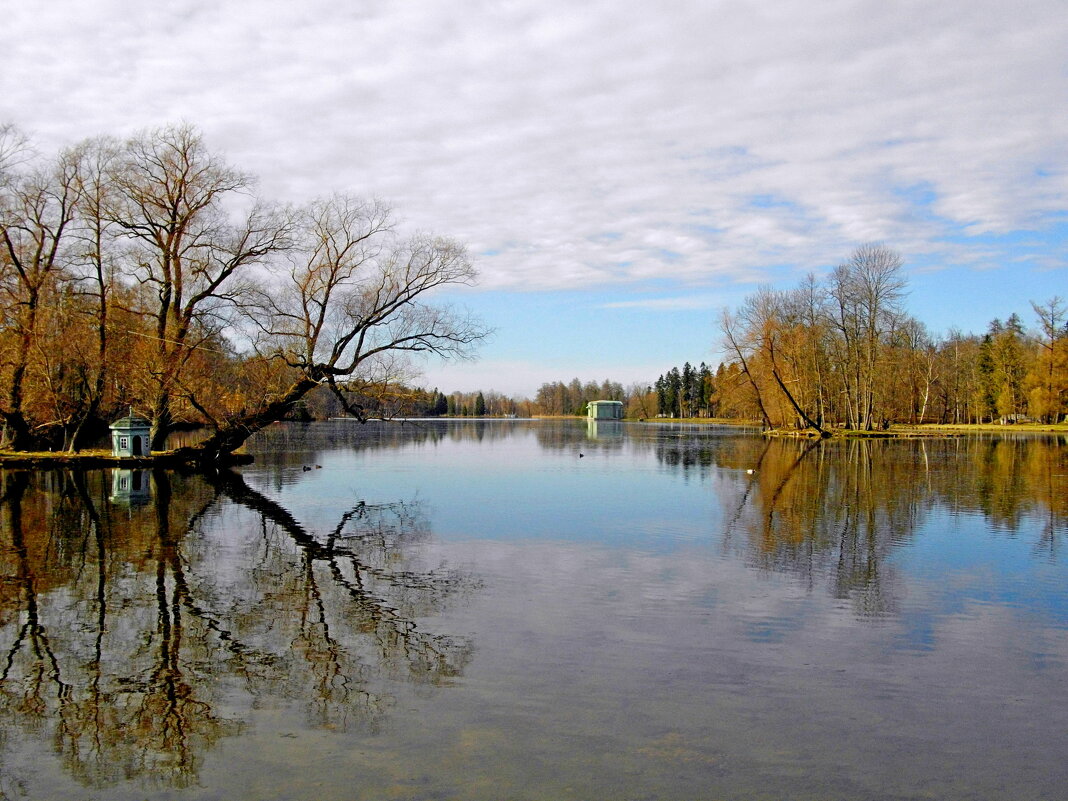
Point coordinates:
[[130, 436], [130, 487]]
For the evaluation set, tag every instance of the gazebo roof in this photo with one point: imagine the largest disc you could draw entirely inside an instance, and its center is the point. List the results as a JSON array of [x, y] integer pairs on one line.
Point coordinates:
[[130, 421]]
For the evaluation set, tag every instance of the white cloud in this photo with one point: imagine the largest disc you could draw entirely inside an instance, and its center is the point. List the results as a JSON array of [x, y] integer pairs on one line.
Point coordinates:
[[608, 142]]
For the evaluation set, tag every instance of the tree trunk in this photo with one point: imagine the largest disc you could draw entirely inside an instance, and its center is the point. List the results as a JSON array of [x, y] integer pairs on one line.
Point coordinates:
[[17, 435], [162, 423], [808, 420], [219, 447]]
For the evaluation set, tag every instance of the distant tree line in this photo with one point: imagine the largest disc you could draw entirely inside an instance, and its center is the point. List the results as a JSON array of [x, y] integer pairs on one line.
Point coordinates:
[[558, 398], [144, 273], [844, 352], [400, 401], [475, 404]]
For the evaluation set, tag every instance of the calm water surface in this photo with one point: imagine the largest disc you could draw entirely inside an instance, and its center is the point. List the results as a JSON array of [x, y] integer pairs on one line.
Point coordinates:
[[541, 610]]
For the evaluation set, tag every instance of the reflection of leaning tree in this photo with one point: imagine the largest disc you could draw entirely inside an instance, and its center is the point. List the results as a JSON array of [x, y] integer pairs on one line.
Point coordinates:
[[355, 576], [829, 510], [126, 630]]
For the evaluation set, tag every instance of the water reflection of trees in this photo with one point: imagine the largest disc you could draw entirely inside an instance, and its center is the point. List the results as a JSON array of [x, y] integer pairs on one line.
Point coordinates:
[[833, 511], [283, 446], [125, 630]]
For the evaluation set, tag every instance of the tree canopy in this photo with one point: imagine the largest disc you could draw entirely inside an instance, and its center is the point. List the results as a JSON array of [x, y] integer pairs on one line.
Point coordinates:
[[145, 273], [844, 352]]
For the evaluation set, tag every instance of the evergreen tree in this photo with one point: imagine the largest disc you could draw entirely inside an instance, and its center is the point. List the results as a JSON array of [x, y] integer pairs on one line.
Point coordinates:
[[687, 391], [674, 392], [706, 389], [986, 393]]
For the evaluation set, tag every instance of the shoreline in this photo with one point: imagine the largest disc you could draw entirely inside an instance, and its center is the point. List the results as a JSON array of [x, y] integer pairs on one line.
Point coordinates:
[[99, 458], [896, 431], [176, 460], [925, 431]]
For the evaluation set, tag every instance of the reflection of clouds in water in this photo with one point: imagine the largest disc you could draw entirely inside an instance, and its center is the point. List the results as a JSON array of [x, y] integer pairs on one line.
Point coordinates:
[[696, 619], [856, 615], [148, 620]]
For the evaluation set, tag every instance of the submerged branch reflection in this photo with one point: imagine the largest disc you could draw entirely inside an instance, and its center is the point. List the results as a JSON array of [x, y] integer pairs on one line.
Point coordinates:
[[125, 630]]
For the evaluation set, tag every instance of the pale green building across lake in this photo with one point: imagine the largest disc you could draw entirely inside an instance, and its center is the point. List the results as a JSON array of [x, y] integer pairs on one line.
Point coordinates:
[[604, 410]]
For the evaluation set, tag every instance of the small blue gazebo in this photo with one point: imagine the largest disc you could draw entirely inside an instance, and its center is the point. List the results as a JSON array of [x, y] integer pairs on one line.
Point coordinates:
[[130, 436]]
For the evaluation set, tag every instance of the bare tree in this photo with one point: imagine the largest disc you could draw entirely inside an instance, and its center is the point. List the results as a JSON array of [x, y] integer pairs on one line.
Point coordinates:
[[342, 307], [772, 319], [36, 211], [170, 196], [94, 266], [740, 345], [1049, 377], [867, 292]]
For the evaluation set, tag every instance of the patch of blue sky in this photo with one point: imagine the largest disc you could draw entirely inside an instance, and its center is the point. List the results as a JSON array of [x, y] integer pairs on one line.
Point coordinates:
[[769, 201], [731, 161], [920, 194], [704, 229], [966, 281], [606, 237], [1049, 237], [590, 331], [965, 300]]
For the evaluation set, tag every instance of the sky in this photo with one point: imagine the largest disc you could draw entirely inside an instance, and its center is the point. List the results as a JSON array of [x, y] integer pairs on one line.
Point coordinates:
[[619, 171]]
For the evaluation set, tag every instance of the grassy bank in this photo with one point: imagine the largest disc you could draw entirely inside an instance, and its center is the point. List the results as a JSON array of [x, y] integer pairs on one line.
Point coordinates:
[[707, 421], [896, 430], [929, 430], [989, 427]]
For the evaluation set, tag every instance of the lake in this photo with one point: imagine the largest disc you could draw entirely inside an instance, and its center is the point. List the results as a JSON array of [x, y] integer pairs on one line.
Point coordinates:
[[514, 609]]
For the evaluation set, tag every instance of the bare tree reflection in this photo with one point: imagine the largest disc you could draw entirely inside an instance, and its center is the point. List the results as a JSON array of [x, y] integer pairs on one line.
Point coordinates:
[[127, 629], [361, 560], [832, 512], [30, 657]]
